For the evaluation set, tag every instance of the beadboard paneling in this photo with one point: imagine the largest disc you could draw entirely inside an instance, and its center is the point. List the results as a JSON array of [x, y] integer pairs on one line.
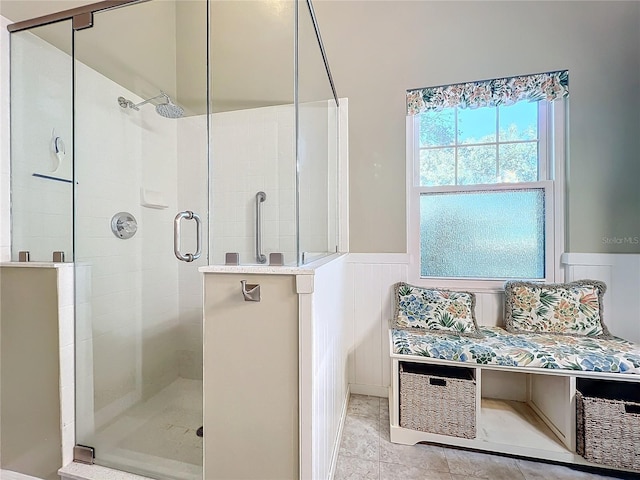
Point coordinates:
[[621, 273], [330, 347], [372, 277]]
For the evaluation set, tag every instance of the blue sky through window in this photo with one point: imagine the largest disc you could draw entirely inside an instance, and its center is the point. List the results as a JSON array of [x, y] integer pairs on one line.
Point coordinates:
[[476, 124]]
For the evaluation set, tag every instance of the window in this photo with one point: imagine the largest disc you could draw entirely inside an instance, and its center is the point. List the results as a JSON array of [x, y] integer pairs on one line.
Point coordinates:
[[485, 196]]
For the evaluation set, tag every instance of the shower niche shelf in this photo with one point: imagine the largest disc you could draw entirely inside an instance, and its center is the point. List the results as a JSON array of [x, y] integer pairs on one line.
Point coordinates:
[[152, 199]]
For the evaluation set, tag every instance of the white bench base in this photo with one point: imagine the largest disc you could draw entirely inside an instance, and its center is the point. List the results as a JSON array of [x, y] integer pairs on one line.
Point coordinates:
[[519, 411]]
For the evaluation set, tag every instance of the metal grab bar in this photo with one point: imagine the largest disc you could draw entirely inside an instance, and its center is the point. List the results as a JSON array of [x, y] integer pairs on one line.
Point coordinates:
[[187, 257], [260, 198]]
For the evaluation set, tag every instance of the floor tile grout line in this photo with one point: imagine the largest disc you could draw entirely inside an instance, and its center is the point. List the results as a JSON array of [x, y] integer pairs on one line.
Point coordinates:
[[382, 423]]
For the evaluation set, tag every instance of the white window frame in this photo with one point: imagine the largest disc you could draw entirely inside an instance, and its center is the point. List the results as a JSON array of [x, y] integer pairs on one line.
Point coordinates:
[[552, 135]]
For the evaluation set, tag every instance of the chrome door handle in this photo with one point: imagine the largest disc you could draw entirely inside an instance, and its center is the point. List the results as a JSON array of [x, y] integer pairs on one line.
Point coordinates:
[[260, 198], [187, 257]]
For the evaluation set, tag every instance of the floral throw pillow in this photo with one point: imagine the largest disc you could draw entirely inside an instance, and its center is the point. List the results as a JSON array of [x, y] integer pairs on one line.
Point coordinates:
[[442, 311], [563, 308]]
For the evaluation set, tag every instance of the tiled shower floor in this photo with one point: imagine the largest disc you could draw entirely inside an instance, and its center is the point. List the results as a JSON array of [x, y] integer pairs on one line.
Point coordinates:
[[366, 453], [157, 437]]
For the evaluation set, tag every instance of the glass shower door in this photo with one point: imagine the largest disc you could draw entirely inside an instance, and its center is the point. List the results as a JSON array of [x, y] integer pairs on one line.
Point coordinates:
[[141, 158]]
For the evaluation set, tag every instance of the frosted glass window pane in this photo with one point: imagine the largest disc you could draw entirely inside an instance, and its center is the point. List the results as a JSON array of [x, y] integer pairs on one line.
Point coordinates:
[[489, 234]]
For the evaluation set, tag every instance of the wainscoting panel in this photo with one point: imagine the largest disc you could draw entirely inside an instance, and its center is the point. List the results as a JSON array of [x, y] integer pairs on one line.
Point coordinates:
[[330, 345], [372, 277], [621, 273], [490, 308]]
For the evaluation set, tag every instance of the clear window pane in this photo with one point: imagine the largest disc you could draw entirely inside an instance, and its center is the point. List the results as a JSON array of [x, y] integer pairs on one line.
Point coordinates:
[[437, 128], [477, 125], [490, 235], [519, 122], [518, 162], [477, 165], [437, 167]]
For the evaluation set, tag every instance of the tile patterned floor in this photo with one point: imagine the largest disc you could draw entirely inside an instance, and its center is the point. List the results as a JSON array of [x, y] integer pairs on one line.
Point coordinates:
[[366, 453], [157, 437]]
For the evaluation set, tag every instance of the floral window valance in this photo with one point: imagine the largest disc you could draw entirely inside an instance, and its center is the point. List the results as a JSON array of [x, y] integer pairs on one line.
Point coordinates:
[[499, 91]]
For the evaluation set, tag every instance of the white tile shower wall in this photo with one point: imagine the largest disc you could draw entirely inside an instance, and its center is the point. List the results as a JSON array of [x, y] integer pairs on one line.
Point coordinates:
[[313, 152], [84, 401], [41, 104], [5, 231], [193, 174], [133, 284], [253, 150], [67, 359]]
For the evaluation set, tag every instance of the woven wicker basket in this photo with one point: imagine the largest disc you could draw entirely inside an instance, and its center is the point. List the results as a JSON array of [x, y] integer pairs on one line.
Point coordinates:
[[438, 399], [608, 431]]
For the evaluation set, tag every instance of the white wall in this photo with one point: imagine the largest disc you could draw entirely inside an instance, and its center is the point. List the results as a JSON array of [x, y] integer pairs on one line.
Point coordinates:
[[370, 279], [378, 50], [621, 274], [253, 150], [328, 336]]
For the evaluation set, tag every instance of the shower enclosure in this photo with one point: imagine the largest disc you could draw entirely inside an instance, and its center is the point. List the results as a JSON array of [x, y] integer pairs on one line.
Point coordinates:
[[149, 138]]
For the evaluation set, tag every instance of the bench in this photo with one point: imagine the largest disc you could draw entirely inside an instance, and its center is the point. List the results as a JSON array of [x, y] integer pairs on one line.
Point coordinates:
[[525, 390]]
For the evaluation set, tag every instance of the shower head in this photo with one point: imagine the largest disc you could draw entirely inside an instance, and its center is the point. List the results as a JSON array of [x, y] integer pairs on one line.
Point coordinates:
[[167, 109]]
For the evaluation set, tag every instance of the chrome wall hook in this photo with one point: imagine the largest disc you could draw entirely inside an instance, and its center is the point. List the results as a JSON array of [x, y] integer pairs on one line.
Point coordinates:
[[251, 293]]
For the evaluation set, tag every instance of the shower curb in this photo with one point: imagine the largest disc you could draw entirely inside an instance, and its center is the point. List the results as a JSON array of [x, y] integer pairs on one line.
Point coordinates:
[[80, 471]]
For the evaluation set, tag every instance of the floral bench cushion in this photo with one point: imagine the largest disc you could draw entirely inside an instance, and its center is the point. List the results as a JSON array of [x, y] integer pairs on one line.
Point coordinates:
[[499, 347]]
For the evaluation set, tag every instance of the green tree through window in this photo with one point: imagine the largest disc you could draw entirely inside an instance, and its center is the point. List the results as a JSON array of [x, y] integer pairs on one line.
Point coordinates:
[[482, 146]]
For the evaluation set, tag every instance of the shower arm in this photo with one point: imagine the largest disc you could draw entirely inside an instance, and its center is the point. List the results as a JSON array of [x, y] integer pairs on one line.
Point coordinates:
[[138, 105]]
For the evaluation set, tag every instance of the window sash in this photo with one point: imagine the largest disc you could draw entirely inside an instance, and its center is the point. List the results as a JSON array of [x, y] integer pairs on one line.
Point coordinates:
[[552, 169], [546, 186], [544, 170]]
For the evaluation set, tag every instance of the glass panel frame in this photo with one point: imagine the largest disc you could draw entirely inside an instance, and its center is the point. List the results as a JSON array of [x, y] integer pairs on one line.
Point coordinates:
[[317, 132], [138, 308], [42, 142]]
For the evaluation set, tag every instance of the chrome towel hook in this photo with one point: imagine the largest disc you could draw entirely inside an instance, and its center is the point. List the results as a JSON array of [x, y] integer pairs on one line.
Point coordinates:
[[251, 293]]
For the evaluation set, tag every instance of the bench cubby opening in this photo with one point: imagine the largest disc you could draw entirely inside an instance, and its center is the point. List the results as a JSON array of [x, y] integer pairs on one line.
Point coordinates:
[[537, 406]]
